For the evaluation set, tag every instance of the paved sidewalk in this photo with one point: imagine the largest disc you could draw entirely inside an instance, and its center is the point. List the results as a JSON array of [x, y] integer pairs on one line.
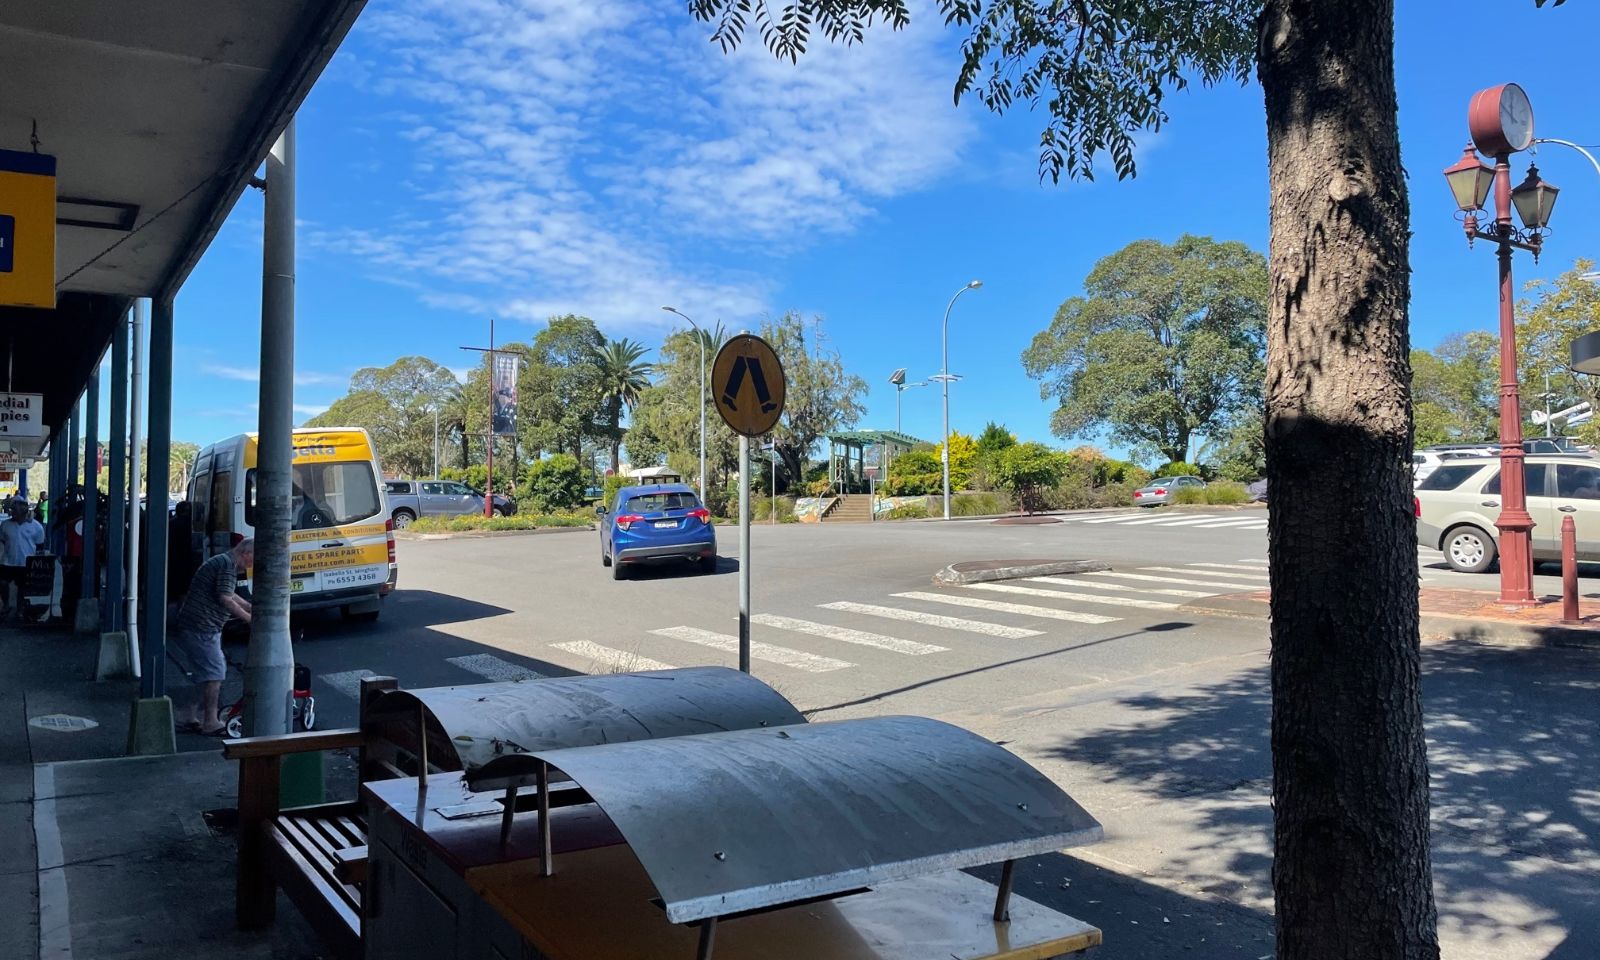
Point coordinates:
[[107, 857]]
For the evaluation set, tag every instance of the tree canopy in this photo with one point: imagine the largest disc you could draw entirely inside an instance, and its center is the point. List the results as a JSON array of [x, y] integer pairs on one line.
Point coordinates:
[[395, 404], [1166, 343], [1455, 389]]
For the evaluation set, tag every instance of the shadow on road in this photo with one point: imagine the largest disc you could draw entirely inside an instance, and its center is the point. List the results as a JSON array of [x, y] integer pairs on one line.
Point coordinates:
[[1513, 750]]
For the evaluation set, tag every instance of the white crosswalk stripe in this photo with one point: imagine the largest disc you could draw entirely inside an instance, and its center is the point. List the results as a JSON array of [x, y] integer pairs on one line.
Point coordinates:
[[847, 635], [1189, 572], [1027, 610], [347, 682], [1118, 518], [1112, 601], [933, 620], [784, 656], [1196, 521], [1228, 566], [1169, 520], [491, 667], [1232, 524], [1124, 587], [1257, 562], [620, 660], [1241, 587]]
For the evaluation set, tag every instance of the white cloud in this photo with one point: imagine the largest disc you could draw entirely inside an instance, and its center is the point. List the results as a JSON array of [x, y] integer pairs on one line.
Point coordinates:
[[599, 156], [311, 409], [302, 378]]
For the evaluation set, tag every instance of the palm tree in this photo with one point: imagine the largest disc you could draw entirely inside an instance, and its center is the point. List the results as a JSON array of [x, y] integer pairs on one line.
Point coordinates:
[[453, 409], [622, 379]]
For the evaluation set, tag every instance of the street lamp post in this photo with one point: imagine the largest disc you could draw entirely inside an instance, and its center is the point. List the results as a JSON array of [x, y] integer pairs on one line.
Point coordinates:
[[944, 375], [1501, 121], [699, 336], [898, 378]]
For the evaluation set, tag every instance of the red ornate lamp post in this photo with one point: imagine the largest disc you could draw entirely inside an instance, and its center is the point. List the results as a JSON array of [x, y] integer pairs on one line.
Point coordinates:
[[1501, 122]]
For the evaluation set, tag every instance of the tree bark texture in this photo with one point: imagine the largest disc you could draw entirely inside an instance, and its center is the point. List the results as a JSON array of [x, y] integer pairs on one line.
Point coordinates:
[[1352, 872]]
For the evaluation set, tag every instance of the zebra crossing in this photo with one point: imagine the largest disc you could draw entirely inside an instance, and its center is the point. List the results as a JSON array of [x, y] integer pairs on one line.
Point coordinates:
[[905, 627], [1140, 517]]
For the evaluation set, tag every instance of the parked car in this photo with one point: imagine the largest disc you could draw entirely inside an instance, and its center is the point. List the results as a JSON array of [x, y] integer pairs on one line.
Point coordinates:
[[1257, 491], [1161, 489], [1459, 502], [656, 522], [412, 499]]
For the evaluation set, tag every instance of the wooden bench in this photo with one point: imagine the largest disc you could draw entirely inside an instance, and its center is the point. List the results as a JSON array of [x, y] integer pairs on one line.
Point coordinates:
[[317, 854]]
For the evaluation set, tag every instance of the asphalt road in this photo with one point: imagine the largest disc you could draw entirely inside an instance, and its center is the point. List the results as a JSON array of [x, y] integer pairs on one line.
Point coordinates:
[[1150, 713]]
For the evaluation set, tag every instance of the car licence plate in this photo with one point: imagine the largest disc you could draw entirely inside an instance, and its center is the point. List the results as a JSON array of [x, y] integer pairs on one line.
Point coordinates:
[[666, 524]]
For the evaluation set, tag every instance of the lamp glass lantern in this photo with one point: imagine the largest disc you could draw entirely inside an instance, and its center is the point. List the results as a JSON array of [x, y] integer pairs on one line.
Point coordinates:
[[1470, 180], [1534, 200]]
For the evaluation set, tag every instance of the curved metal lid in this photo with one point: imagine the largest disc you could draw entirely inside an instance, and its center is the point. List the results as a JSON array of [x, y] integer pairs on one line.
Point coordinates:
[[729, 822], [494, 728], [1586, 353]]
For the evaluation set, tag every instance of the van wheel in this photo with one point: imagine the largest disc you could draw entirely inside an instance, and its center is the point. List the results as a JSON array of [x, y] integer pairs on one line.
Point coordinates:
[[1469, 549], [403, 518]]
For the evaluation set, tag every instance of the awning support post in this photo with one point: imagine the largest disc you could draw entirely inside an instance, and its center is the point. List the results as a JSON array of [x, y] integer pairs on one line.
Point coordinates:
[[269, 664], [546, 848], [708, 937], [86, 614], [153, 636], [117, 487]]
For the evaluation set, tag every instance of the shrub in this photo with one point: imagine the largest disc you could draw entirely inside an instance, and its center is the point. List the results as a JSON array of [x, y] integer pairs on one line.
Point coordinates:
[[1225, 493], [521, 521], [554, 483], [761, 510], [611, 486], [1189, 495], [476, 475], [915, 473], [979, 504], [1029, 468], [911, 512]]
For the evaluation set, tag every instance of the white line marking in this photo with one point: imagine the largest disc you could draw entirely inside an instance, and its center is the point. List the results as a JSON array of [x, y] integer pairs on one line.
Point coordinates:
[[55, 919], [847, 635], [1112, 601], [1018, 608], [1252, 560], [491, 667], [1240, 587], [1233, 524], [607, 657], [347, 682], [1206, 518], [1167, 519], [1119, 518], [933, 620], [1186, 570], [798, 659], [1227, 566], [1124, 587]]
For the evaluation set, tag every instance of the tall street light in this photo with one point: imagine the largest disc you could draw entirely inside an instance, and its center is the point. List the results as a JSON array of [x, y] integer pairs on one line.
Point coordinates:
[[699, 336], [1501, 122], [944, 380], [898, 378]]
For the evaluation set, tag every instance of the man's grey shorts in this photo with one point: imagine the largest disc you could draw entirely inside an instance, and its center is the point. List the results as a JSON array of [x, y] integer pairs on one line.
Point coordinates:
[[204, 653]]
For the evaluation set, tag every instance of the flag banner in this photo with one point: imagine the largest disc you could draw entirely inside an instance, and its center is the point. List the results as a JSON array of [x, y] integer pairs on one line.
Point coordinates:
[[504, 393]]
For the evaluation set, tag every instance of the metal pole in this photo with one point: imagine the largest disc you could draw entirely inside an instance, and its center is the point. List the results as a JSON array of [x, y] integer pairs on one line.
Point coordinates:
[[1515, 524], [744, 553], [269, 663], [160, 456], [1548, 430], [898, 389], [488, 482], [436, 441], [698, 335], [117, 486], [1569, 571], [944, 383], [774, 517], [89, 581], [135, 457]]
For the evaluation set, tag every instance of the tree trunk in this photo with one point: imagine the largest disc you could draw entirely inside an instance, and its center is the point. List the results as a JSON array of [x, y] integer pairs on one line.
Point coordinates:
[[1352, 873], [466, 449]]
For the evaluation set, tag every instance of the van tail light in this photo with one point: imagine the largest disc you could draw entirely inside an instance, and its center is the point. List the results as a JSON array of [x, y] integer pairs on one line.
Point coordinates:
[[1416, 505], [701, 514], [626, 520], [388, 533]]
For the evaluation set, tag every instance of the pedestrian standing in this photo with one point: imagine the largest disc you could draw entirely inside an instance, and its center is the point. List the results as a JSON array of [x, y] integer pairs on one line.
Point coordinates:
[[212, 599], [20, 538]]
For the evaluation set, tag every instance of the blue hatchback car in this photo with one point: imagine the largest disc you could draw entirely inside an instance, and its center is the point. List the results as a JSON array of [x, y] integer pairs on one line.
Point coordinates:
[[659, 522]]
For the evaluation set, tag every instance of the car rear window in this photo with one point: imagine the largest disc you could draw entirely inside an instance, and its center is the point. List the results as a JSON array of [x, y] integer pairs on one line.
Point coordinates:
[[1532, 480], [658, 502], [1449, 476], [1163, 482]]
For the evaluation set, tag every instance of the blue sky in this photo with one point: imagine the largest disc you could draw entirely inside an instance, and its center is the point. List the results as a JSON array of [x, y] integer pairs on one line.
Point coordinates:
[[468, 158]]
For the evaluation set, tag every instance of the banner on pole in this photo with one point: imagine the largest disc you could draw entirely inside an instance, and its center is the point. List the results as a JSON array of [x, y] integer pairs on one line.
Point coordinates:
[[503, 387]]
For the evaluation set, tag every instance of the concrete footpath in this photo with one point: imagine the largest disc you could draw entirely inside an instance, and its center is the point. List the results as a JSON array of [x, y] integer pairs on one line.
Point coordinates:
[[109, 856]]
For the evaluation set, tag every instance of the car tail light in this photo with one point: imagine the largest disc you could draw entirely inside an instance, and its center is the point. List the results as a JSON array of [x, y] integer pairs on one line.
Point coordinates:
[[1160, 490], [626, 520], [1416, 504], [1137, 494], [701, 514], [388, 532]]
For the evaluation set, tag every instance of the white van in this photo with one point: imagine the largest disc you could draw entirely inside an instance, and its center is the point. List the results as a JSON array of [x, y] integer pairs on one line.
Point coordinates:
[[342, 547]]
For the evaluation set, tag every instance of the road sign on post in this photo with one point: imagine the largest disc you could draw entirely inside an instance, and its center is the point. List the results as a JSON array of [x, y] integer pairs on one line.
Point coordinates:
[[748, 383]]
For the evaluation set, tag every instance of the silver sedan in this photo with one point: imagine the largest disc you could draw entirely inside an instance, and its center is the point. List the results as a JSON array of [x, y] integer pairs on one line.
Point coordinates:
[[1160, 490]]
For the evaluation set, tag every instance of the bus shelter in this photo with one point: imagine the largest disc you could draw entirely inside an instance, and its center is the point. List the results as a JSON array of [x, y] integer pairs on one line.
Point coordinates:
[[850, 452]]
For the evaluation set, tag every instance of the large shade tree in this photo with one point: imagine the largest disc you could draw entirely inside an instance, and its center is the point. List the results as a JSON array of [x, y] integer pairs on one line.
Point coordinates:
[[395, 404], [1165, 344], [822, 396], [623, 376], [1352, 874]]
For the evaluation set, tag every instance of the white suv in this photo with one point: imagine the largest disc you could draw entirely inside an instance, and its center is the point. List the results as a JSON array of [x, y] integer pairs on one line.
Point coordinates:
[[1459, 501]]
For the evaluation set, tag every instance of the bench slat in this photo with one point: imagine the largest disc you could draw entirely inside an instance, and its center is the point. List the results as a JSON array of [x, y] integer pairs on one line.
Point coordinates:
[[327, 910], [320, 856], [278, 745]]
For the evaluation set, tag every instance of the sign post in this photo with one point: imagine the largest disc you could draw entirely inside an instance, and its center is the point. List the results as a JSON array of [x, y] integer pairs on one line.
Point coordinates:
[[748, 381]]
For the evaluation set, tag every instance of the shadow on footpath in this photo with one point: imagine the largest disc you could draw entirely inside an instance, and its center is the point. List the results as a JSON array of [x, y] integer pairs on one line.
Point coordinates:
[[1513, 747]]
